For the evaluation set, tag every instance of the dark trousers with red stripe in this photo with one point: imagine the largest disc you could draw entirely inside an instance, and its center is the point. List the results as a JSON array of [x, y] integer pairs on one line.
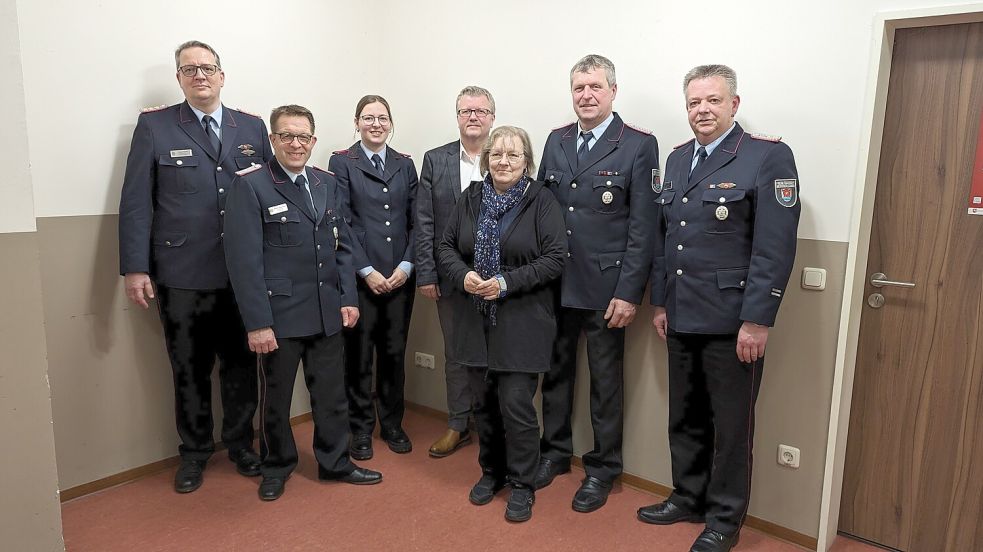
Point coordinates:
[[200, 326], [711, 427], [324, 373]]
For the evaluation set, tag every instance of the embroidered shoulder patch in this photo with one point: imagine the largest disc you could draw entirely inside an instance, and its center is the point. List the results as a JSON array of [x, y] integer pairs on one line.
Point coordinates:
[[787, 192], [249, 169], [657, 181], [152, 109], [765, 137]]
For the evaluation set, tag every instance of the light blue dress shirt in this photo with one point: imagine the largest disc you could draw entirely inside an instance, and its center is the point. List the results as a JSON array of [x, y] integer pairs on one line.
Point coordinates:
[[597, 131], [216, 123], [710, 147]]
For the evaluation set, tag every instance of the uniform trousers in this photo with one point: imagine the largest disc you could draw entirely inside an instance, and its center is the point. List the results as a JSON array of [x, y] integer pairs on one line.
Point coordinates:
[[382, 326], [711, 426], [455, 373], [505, 418], [198, 326], [605, 359], [323, 358]]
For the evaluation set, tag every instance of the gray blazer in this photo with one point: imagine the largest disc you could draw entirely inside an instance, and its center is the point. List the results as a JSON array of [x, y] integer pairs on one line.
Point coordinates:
[[437, 193]]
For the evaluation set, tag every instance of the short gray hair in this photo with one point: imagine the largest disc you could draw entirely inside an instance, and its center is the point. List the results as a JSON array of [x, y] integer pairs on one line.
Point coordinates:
[[474, 92], [708, 71], [508, 132], [195, 44], [593, 61]]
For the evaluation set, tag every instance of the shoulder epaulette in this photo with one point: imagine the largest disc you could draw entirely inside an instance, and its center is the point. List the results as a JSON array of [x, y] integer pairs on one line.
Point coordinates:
[[406, 155], [324, 170], [340, 152], [683, 144], [765, 137], [248, 112], [248, 170], [638, 128], [152, 109], [564, 126]]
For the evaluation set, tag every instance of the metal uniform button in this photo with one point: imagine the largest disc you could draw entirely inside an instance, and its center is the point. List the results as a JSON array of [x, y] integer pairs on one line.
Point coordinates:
[[679, 272], [269, 292], [570, 208], [386, 206], [222, 212], [221, 190], [685, 200], [388, 223], [283, 219], [319, 284], [617, 263], [167, 243], [552, 177], [388, 239], [218, 169], [320, 265], [742, 283], [569, 232], [679, 247], [222, 235], [385, 189], [568, 254], [682, 223], [179, 162], [318, 247], [723, 200], [574, 185], [608, 183]]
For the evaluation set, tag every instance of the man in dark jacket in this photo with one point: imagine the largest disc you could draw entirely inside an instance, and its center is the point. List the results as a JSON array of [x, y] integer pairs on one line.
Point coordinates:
[[290, 260]]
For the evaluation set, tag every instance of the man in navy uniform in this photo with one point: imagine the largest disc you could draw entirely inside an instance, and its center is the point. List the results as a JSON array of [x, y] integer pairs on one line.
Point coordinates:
[[447, 171], [724, 247], [178, 173], [290, 260], [602, 171]]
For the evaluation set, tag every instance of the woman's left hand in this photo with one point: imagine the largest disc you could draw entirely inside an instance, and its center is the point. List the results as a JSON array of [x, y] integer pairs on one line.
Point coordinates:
[[397, 279], [489, 289]]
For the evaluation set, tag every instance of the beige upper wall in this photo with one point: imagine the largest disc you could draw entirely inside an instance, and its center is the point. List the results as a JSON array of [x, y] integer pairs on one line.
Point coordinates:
[[802, 68], [16, 194]]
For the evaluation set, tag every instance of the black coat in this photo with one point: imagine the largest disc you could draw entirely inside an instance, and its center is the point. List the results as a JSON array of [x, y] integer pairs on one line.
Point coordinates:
[[533, 249]]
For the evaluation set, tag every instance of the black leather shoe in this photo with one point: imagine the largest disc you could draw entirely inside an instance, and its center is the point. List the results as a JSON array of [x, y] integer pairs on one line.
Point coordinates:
[[520, 504], [189, 476], [358, 476], [715, 541], [398, 440], [667, 513], [247, 462], [484, 490], [591, 495], [271, 488], [361, 447], [548, 470]]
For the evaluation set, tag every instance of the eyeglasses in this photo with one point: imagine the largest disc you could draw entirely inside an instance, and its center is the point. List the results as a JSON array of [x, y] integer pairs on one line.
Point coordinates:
[[286, 138], [510, 158], [191, 70], [384, 120], [479, 113]]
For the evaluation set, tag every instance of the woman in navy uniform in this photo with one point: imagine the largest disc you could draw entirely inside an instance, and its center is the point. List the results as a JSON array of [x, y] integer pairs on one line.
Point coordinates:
[[505, 244], [377, 187]]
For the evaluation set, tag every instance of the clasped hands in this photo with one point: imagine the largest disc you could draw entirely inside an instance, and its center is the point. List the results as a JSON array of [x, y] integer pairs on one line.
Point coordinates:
[[489, 290], [379, 284]]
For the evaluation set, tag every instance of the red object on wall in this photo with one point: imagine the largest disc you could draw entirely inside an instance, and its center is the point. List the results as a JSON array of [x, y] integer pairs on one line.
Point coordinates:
[[976, 191]]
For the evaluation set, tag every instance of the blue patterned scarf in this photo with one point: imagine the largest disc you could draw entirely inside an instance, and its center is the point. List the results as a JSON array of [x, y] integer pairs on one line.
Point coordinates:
[[487, 241]]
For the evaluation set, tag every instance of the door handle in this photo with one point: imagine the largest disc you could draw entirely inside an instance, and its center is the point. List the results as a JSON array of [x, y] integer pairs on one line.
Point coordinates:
[[879, 279]]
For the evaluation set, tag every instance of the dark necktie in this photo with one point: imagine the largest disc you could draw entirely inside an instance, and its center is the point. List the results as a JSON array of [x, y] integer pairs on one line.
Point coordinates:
[[701, 156], [301, 183], [379, 168], [212, 137], [582, 151]]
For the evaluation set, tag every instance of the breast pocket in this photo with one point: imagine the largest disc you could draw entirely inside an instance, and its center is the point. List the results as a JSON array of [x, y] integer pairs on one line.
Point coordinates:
[[727, 211], [176, 175], [553, 177], [608, 195], [282, 229]]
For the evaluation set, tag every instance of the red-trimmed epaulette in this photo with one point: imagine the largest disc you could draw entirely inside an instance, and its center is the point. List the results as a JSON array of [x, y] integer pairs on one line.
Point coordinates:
[[248, 112], [152, 109], [324, 170], [765, 137], [406, 155], [340, 152], [247, 170], [638, 128], [563, 126], [683, 144]]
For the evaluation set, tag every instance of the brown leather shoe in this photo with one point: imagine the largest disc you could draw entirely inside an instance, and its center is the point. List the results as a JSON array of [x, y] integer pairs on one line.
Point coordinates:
[[451, 441]]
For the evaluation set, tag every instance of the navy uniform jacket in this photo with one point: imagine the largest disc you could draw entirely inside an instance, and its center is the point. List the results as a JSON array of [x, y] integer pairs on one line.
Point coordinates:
[[379, 209], [438, 192], [725, 241], [289, 268], [174, 194], [610, 241]]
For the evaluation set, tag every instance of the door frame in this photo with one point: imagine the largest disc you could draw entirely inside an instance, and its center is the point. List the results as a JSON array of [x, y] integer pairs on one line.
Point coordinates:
[[875, 104]]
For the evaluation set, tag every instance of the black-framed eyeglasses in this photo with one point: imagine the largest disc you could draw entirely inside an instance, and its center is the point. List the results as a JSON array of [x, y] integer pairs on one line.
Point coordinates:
[[384, 120], [286, 138], [191, 70], [479, 113]]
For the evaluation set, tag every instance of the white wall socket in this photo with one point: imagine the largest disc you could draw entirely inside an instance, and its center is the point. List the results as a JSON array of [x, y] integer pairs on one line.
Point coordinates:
[[424, 360], [788, 456]]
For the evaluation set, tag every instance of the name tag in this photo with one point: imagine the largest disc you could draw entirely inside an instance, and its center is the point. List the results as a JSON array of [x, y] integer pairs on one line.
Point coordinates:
[[277, 208], [181, 153]]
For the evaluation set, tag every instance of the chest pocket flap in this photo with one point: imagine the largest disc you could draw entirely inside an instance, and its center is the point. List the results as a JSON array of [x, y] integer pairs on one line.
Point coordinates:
[[716, 195], [553, 176], [609, 182], [290, 215], [168, 161], [665, 198]]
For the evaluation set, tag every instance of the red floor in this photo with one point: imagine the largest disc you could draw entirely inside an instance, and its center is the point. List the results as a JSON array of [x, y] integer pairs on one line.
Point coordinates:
[[421, 505]]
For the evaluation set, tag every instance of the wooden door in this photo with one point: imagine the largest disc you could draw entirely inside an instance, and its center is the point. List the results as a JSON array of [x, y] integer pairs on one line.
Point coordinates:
[[913, 477]]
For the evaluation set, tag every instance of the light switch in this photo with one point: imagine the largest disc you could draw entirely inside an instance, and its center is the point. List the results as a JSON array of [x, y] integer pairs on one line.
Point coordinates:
[[814, 278]]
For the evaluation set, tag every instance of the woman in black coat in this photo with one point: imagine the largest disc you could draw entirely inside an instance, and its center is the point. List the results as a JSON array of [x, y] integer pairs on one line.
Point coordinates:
[[505, 245]]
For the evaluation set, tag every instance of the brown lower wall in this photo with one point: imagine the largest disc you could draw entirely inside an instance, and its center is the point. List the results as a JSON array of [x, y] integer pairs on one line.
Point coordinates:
[[30, 517], [111, 388]]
